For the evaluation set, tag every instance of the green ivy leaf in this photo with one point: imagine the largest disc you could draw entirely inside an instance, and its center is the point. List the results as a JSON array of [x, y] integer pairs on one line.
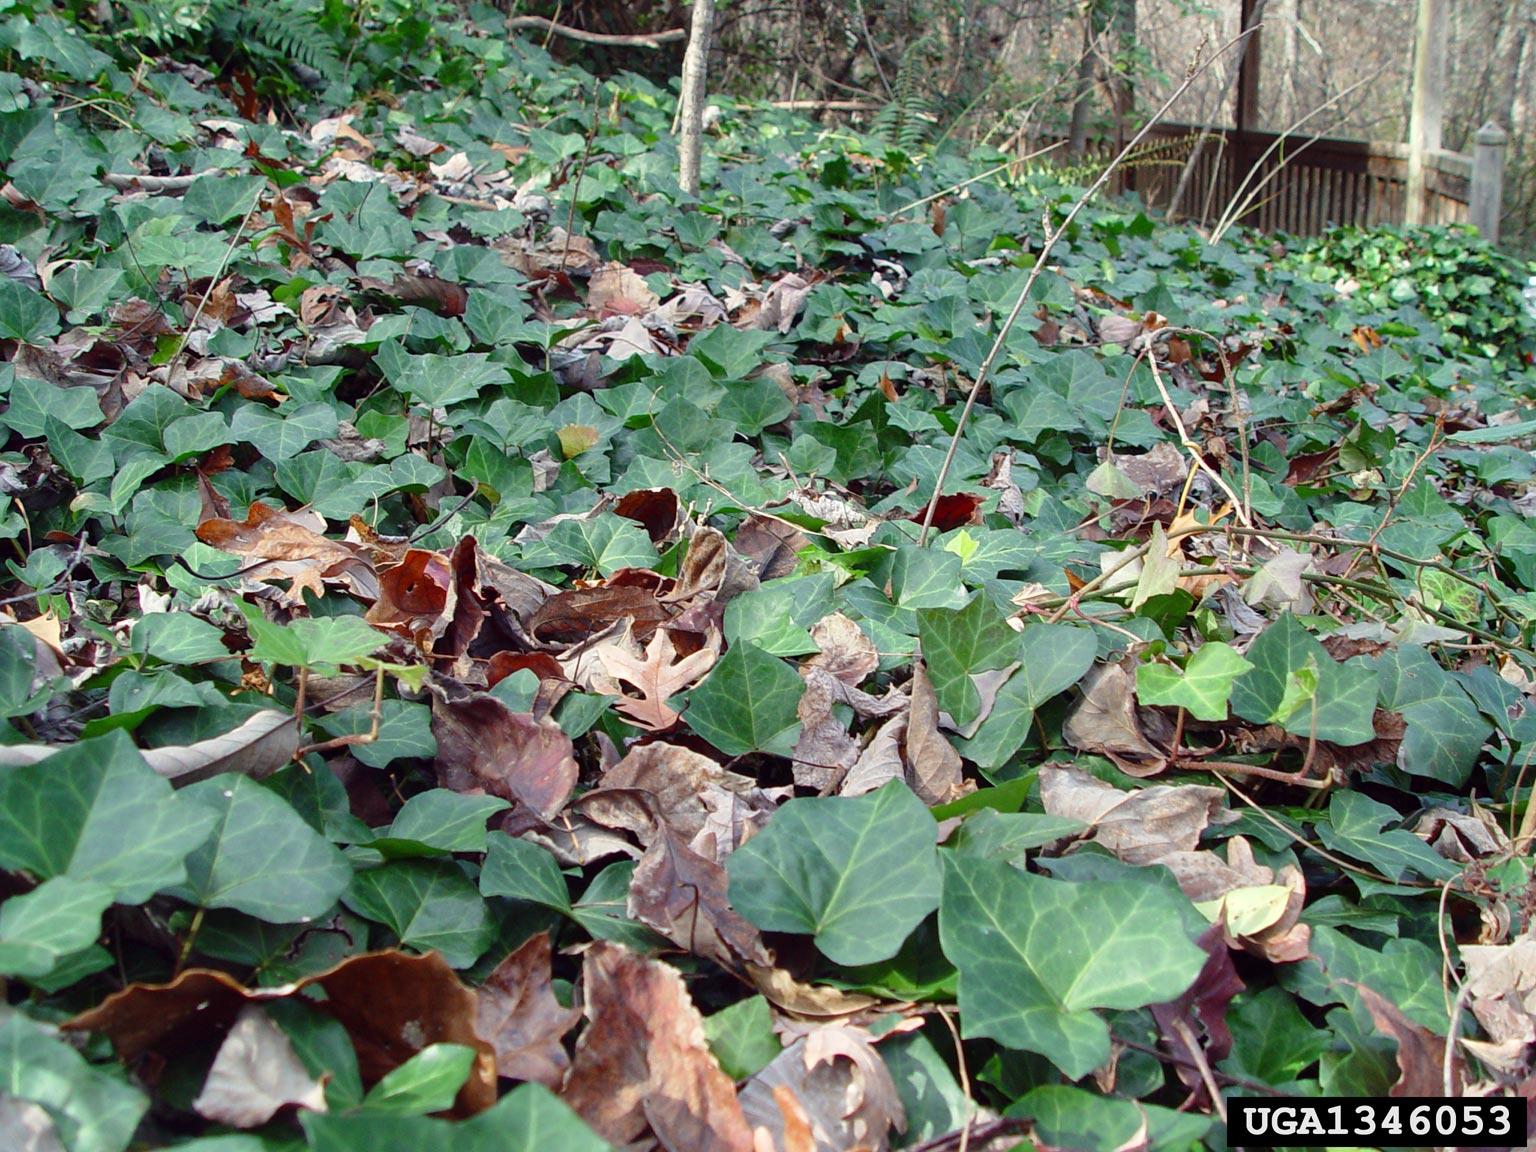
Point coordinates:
[[858, 873], [522, 870], [748, 703], [1354, 828], [958, 643], [1037, 956], [1445, 730], [435, 381], [58, 918], [97, 811], [1053, 657], [93, 1105], [427, 1082], [427, 904], [742, 1037], [262, 858], [438, 823], [282, 434], [314, 643], [1202, 688], [25, 315], [1295, 683]]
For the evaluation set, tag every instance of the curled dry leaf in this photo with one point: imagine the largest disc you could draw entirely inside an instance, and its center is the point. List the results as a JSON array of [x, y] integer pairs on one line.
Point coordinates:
[[824, 751], [811, 1001], [841, 1086], [517, 1013], [691, 791], [482, 745], [1501, 983], [880, 762], [616, 289], [260, 746], [933, 766], [392, 1005], [255, 1073], [643, 1061], [1139, 827], [290, 546], [1420, 1053], [1106, 720], [1199, 1016], [845, 651], [682, 895]]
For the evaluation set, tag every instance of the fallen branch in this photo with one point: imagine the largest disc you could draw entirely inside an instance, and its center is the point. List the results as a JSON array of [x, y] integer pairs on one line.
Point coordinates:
[[652, 40], [123, 181]]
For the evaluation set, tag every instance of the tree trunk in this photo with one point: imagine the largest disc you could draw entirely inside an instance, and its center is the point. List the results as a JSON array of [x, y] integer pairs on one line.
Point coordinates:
[[695, 76], [1077, 134]]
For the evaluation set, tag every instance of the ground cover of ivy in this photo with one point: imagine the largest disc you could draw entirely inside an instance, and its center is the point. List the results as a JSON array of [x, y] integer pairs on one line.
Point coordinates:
[[474, 674]]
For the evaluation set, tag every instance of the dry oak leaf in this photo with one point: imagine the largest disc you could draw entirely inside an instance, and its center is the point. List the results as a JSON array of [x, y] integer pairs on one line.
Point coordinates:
[[842, 1086], [643, 1061], [289, 546], [657, 674], [516, 1011]]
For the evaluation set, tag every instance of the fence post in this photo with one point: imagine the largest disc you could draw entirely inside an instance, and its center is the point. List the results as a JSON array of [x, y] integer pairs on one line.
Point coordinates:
[[1483, 205]]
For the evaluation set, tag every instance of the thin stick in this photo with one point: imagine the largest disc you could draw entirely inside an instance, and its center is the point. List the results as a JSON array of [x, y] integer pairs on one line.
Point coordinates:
[[1194, 71], [650, 40]]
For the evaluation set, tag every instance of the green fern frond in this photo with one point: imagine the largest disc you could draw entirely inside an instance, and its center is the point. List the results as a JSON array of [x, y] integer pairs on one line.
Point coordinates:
[[909, 117]]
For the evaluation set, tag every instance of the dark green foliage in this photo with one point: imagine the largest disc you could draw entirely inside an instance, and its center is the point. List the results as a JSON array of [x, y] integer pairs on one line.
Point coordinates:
[[1456, 278]]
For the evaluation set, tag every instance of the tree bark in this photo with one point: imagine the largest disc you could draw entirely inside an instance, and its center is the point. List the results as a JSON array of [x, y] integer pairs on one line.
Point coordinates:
[[695, 77]]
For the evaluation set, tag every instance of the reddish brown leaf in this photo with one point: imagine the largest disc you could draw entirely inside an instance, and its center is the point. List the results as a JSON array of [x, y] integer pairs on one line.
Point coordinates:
[[1420, 1053], [1199, 1016], [392, 1004], [518, 1014], [577, 614], [952, 511], [770, 544], [654, 509], [682, 895], [643, 1063], [482, 745]]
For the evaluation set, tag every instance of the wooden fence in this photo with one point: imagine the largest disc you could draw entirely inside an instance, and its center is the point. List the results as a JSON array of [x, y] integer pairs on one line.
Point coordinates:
[[1305, 186]]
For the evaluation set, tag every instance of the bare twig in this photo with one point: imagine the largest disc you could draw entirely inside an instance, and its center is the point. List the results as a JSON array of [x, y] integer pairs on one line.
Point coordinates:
[[1054, 234], [652, 40]]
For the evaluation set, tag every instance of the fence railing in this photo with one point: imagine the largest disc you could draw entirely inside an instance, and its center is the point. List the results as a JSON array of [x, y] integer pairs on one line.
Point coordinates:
[[1304, 186]]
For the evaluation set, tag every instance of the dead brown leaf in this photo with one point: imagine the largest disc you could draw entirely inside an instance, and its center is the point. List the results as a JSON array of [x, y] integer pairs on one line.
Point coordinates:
[[1139, 827], [289, 546], [656, 674], [841, 1086], [682, 895], [845, 651], [933, 766], [516, 1011], [255, 1073], [482, 745], [643, 1062], [1420, 1053]]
